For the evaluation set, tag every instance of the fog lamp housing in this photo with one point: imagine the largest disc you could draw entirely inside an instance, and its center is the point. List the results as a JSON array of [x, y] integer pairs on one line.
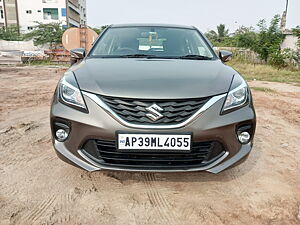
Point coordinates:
[[61, 135], [61, 130], [244, 137]]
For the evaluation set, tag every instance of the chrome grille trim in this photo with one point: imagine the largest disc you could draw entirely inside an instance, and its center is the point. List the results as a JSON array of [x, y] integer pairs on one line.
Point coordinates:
[[104, 106], [154, 112]]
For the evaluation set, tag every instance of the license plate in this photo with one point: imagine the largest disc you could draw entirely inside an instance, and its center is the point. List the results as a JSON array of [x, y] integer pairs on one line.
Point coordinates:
[[171, 142]]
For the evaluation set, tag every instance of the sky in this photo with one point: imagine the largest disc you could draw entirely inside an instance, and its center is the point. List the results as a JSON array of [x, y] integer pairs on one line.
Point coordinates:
[[203, 14]]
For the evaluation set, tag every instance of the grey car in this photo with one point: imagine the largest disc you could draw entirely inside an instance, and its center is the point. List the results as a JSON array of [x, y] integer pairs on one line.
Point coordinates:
[[152, 97]]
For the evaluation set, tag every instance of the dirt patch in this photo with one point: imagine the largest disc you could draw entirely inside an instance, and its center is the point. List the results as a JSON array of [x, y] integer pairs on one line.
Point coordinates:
[[37, 188]]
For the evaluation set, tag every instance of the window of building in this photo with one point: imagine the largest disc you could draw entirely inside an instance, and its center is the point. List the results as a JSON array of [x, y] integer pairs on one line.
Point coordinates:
[[63, 12], [28, 11], [50, 13], [39, 11], [1, 14], [29, 28]]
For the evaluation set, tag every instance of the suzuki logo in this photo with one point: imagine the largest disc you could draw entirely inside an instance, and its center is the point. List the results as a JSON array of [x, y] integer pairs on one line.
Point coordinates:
[[154, 112]]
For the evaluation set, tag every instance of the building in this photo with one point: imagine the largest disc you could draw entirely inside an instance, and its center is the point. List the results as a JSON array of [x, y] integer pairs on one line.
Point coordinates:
[[25, 13], [2, 19], [290, 41], [9, 15]]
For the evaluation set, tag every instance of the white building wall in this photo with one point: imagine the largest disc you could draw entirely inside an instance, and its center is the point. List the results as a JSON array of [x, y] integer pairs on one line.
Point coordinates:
[[33, 10], [17, 46], [290, 41]]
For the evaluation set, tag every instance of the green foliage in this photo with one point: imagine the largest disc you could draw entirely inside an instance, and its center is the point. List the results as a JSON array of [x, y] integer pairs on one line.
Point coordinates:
[[218, 37], [268, 38], [46, 63], [10, 33], [296, 57], [265, 42], [278, 59], [263, 89], [222, 32], [50, 33], [245, 37], [99, 30], [291, 56]]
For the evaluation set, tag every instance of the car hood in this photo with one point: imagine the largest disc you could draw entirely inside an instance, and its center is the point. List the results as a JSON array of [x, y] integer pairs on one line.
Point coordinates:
[[153, 78]]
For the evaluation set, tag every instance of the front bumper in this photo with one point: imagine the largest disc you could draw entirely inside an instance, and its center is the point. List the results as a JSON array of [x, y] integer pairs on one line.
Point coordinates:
[[98, 124], [90, 165]]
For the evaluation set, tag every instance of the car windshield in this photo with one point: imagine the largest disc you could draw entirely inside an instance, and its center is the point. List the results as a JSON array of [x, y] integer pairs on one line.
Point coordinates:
[[160, 42]]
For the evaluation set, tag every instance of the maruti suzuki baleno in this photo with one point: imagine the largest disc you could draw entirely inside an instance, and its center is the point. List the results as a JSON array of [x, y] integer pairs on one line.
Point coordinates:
[[152, 97]]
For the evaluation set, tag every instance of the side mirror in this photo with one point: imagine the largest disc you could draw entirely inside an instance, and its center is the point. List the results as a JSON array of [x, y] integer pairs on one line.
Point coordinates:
[[77, 54], [225, 55]]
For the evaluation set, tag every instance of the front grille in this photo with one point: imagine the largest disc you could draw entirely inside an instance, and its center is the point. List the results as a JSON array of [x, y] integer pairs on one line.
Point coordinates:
[[134, 110], [105, 152]]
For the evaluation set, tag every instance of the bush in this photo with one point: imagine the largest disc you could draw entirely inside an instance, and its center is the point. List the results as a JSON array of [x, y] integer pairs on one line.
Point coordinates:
[[292, 57], [278, 59], [11, 33]]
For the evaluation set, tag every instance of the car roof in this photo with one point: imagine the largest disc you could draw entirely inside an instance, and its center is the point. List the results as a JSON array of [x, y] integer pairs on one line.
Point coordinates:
[[152, 25]]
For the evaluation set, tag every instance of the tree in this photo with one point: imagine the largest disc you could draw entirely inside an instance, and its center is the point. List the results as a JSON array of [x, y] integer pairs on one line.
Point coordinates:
[[268, 38], [245, 37], [219, 36], [10, 33], [265, 41], [212, 36], [222, 32], [99, 30], [50, 33]]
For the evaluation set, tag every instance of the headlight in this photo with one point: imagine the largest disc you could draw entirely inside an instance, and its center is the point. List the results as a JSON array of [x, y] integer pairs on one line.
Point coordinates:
[[236, 97], [69, 92]]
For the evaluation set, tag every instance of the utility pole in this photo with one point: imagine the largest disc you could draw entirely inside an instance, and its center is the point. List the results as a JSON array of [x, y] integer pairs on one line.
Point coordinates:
[[287, 4], [283, 18]]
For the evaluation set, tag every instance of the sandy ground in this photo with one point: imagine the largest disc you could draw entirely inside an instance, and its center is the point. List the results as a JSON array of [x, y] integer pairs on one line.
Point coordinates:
[[38, 188]]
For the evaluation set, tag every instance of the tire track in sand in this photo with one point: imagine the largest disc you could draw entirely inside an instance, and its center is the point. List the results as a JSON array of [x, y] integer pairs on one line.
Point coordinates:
[[33, 216], [162, 207], [67, 202]]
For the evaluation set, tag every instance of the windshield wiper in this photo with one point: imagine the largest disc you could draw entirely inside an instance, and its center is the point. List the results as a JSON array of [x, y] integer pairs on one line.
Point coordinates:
[[196, 57], [137, 56]]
